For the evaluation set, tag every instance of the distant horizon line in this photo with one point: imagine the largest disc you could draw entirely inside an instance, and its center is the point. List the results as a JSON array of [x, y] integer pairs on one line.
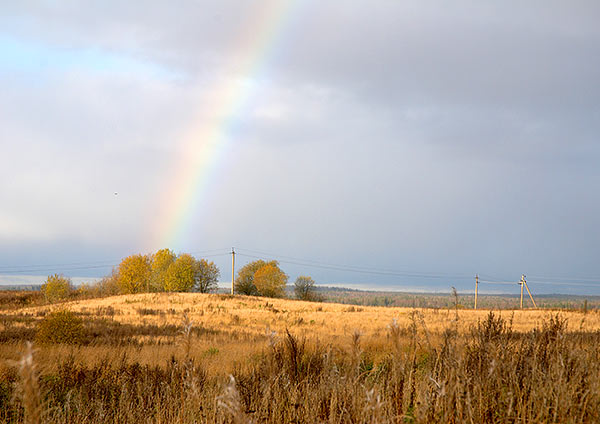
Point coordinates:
[[26, 280]]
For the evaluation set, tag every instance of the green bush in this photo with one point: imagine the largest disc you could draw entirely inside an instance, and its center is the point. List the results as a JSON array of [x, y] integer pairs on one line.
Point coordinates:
[[60, 327]]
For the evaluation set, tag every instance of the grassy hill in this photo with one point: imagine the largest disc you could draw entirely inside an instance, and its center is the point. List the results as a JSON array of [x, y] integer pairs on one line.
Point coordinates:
[[168, 357]]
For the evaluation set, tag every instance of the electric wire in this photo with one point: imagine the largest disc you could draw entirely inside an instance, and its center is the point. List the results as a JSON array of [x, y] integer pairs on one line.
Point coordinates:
[[80, 266], [252, 253], [378, 271], [25, 271], [362, 268], [554, 283], [534, 283], [498, 282], [361, 271], [16, 267], [563, 279]]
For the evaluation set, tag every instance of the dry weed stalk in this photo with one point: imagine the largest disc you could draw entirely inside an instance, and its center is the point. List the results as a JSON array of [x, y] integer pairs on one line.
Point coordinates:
[[28, 388], [186, 330], [356, 351], [374, 407], [231, 404]]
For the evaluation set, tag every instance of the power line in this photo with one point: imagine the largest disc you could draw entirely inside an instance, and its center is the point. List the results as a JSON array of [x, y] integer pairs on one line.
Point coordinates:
[[100, 264], [365, 268], [79, 266], [213, 256], [357, 270], [224, 251], [499, 282], [16, 267], [489, 277], [25, 271], [534, 282], [362, 268], [565, 279], [566, 282], [554, 283], [378, 271]]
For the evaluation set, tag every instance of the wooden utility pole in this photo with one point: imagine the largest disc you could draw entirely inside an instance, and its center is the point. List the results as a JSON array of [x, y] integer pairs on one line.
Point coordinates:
[[522, 283], [232, 268], [476, 289], [530, 296]]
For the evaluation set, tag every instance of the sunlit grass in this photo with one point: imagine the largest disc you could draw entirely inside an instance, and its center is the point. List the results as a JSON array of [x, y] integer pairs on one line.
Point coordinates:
[[342, 360]]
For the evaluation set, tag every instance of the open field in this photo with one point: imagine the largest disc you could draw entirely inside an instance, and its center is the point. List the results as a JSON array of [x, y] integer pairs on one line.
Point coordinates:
[[464, 300], [297, 361], [238, 327]]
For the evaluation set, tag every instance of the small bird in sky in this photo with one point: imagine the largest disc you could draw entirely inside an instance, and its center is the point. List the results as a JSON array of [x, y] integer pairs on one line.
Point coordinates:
[[116, 193]]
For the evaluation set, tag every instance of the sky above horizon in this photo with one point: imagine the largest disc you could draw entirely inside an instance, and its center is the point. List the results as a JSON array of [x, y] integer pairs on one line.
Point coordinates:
[[392, 144]]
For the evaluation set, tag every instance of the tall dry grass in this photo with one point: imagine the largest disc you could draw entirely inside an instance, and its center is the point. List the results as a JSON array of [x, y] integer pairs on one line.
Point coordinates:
[[187, 358], [490, 374]]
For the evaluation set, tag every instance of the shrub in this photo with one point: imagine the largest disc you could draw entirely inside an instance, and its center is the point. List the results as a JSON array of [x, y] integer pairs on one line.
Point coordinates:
[[56, 288], [60, 327], [304, 289]]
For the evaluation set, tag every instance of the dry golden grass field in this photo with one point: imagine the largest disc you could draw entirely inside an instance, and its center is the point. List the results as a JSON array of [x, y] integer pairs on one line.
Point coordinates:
[[296, 361], [238, 327]]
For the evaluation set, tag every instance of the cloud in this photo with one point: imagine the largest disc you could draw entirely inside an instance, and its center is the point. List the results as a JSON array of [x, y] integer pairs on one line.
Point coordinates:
[[397, 134]]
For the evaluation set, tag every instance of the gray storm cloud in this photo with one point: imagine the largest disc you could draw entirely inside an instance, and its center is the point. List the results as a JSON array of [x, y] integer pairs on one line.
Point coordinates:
[[395, 135]]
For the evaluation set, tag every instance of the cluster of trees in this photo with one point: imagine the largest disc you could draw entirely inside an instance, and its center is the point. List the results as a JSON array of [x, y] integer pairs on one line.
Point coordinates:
[[265, 278], [158, 272], [165, 271]]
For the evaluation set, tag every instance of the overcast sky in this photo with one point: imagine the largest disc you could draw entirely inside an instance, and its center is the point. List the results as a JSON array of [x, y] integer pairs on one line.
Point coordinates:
[[406, 137]]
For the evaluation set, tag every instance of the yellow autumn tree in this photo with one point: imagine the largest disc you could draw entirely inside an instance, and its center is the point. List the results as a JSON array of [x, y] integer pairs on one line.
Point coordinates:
[[270, 281], [244, 282], [161, 261], [56, 288], [181, 274], [134, 274]]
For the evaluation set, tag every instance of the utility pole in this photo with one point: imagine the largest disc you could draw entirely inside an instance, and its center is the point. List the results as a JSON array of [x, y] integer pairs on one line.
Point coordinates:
[[530, 296], [232, 268], [522, 283], [476, 289]]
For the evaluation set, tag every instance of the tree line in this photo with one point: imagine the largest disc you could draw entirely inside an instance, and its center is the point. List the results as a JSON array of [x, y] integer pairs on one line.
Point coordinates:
[[164, 271]]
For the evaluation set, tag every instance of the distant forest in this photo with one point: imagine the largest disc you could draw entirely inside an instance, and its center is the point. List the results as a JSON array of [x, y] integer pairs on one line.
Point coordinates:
[[422, 300]]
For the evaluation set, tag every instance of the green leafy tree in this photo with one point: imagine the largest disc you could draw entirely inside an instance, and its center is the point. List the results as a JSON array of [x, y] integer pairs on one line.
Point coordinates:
[[56, 288], [134, 274], [304, 289], [161, 261], [270, 281], [207, 275], [244, 283], [181, 274]]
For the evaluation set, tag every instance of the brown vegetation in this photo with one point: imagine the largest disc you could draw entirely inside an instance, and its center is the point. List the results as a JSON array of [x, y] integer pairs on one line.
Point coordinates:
[[169, 357]]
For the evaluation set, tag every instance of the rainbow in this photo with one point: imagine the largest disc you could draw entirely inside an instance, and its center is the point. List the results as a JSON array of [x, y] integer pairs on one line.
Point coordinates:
[[205, 146]]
